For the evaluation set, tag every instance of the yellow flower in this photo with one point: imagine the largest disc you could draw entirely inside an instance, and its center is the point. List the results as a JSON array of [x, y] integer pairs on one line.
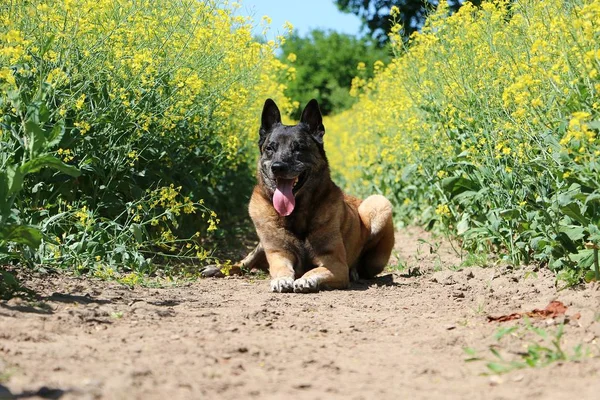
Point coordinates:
[[83, 215], [288, 27], [443, 210], [84, 127], [80, 101]]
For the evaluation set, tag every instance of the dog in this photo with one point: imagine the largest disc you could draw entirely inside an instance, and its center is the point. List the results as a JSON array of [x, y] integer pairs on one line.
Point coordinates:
[[311, 234]]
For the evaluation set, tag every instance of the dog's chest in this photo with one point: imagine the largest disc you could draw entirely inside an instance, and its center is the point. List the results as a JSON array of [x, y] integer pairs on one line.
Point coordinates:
[[298, 225], [306, 257]]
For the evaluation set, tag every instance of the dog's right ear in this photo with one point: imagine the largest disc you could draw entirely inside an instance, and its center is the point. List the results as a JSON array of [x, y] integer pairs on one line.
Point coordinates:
[[270, 117]]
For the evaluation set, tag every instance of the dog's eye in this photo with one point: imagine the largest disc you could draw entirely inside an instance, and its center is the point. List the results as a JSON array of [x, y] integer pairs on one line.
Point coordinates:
[[269, 148]]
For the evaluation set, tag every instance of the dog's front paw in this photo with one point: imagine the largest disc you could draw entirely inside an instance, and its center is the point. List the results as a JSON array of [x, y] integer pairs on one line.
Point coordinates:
[[211, 271], [306, 285], [282, 285]]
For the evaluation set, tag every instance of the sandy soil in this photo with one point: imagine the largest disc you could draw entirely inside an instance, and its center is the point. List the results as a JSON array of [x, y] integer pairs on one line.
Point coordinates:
[[401, 336]]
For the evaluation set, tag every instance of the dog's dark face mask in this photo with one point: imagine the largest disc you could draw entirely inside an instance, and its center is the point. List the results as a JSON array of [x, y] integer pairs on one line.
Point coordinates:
[[291, 157]]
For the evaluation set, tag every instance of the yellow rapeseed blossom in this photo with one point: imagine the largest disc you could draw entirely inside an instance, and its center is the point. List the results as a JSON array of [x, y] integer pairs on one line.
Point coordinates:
[[442, 210], [529, 63]]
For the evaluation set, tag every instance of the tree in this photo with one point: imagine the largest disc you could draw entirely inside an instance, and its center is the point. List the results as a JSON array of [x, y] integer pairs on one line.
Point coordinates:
[[376, 13], [326, 62]]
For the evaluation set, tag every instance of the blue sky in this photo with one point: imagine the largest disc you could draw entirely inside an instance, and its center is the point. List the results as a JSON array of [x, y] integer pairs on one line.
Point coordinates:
[[305, 15]]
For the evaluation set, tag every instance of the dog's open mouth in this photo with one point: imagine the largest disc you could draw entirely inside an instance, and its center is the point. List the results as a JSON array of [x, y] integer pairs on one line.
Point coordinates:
[[284, 199]]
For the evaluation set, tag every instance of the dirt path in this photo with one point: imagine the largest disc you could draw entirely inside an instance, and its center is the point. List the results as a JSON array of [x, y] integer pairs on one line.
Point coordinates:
[[399, 337]]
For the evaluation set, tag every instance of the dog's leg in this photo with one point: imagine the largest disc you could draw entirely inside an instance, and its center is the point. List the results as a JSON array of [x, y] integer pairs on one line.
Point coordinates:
[[254, 259], [331, 271], [281, 269], [376, 214]]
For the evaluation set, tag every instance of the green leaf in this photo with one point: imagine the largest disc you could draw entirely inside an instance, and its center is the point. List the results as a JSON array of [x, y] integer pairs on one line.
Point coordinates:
[[498, 368], [10, 286], [23, 234], [49, 161], [4, 195], [47, 44], [592, 197], [573, 210], [472, 354], [37, 137], [496, 353], [503, 332], [137, 232], [566, 241], [470, 351], [538, 243], [457, 184], [590, 276], [14, 178], [56, 134], [512, 213], [584, 259], [462, 226], [574, 233], [9, 279], [466, 196], [43, 114]]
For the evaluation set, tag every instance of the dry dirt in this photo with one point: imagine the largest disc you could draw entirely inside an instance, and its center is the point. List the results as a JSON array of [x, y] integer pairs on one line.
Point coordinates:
[[401, 336]]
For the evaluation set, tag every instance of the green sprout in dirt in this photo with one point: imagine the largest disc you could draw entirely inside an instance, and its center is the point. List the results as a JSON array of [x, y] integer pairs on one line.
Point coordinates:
[[545, 349]]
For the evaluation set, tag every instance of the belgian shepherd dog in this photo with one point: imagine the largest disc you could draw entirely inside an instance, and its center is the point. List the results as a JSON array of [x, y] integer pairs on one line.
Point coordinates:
[[312, 235]]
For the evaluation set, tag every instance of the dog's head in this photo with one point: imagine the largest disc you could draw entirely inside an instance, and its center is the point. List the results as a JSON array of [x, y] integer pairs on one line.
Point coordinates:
[[292, 158]]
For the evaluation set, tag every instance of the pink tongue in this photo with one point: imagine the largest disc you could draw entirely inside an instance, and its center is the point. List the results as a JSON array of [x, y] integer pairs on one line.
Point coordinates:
[[283, 199]]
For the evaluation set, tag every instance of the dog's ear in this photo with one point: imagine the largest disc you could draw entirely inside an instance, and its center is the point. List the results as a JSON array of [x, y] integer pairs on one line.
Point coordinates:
[[311, 116], [270, 117]]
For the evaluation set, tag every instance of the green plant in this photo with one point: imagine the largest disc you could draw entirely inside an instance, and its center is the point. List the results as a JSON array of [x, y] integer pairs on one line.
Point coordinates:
[[500, 152], [475, 260], [11, 287], [28, 136], [542, 350], [154, 102], [400, 266], [480, 308]]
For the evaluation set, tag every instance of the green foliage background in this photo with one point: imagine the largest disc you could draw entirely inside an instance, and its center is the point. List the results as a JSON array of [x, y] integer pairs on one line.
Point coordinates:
[[486, 126], [152, 105], [325, 63]]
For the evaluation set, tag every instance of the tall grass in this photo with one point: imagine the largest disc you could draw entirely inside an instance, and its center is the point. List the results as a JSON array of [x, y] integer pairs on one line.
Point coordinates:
[[487, 125], [155, 102]]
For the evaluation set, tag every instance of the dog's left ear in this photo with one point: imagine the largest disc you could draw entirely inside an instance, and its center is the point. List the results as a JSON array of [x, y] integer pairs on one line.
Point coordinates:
[[311, 116]]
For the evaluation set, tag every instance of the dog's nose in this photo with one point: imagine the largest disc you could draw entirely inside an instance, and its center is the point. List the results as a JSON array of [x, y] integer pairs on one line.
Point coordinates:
[[278, 167]]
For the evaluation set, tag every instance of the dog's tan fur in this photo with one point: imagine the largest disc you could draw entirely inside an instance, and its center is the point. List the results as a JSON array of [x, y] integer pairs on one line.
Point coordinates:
[[338, 232]]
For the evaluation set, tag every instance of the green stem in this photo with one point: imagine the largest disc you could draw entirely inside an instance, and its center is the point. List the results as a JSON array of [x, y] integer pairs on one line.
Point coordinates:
[[596, 269]]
